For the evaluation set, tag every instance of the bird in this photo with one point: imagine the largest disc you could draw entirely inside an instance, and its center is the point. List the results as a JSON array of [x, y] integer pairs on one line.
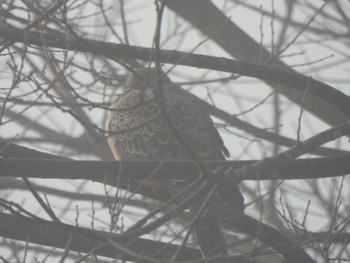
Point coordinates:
[[145, 123]]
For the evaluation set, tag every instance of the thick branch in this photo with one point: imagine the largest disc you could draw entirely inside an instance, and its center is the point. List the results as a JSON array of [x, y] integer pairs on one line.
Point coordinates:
[[225, 33], [85, 240], [291, 79], [109, 171]]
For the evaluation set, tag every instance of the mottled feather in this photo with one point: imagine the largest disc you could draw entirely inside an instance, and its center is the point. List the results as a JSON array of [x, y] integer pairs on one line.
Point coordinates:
[[139, 132]]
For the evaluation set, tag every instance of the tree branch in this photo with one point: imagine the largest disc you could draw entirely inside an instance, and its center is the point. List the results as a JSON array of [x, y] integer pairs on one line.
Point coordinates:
[[225, 33], [85, 240], [289, 78]]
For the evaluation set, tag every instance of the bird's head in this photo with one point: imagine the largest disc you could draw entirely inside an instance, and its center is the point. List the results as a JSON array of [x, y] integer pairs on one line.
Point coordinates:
[[146, 78]]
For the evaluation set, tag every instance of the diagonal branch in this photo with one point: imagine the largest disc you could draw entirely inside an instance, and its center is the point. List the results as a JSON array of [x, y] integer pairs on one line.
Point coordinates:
[[226, 34], [85, 240]]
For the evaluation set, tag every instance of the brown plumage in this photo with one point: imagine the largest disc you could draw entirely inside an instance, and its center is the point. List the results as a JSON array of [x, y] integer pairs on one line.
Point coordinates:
[[140, 132]]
